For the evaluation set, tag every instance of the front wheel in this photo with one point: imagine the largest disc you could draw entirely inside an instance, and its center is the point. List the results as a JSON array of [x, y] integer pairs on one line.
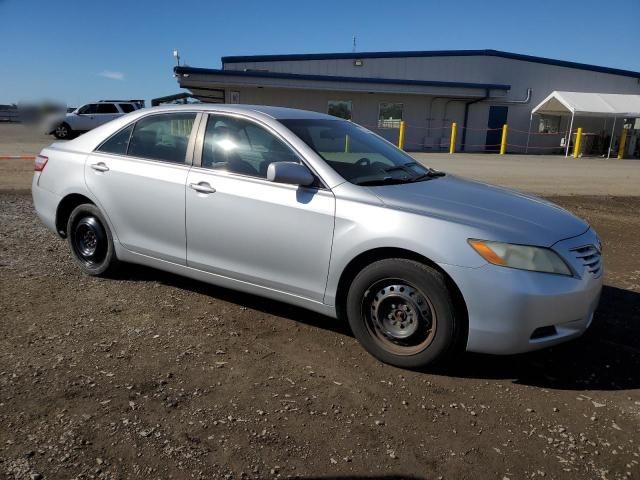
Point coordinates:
[[91, 241], [63, 132], [402, 313]]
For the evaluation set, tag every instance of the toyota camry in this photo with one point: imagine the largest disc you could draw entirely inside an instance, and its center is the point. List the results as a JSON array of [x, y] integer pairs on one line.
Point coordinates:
[[319, 212]]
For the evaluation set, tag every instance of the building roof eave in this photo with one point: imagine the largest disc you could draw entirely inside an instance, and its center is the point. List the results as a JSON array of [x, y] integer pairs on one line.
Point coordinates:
[[186, 71], [430, 53]]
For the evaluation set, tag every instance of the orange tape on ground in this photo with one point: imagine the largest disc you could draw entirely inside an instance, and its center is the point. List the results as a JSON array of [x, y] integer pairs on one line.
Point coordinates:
[[17, 157]]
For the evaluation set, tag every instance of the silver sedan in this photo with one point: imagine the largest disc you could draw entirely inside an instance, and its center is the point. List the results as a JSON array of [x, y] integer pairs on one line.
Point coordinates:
[[319, 212]]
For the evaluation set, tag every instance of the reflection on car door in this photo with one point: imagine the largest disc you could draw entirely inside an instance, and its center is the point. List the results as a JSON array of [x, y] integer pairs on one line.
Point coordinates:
[[138, 177], [242, 226]]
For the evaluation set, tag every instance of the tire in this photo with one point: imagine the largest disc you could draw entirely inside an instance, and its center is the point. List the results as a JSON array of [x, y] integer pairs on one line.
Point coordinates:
[[63, 132], [403, 313], [91, 241]]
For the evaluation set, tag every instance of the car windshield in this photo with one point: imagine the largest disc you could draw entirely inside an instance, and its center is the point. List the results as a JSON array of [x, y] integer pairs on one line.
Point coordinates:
[[358, 155]]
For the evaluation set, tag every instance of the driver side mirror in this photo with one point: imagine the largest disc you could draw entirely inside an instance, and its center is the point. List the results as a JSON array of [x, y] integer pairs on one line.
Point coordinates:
[[291, 173]]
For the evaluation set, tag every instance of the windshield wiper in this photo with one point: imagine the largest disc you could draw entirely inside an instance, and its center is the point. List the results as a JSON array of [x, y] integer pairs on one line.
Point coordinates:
[[400, 167], [429, 175], [383, 181]]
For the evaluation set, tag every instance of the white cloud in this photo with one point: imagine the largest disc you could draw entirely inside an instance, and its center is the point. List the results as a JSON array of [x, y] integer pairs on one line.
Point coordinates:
[[112, 75]]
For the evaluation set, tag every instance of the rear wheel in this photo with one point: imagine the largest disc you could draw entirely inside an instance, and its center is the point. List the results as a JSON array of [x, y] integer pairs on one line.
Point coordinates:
[[63, 132], [402, 312], [91, 241]]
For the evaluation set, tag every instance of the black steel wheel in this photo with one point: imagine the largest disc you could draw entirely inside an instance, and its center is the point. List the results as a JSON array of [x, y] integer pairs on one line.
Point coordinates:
[[90, 240], [403, 313], [399, 316]]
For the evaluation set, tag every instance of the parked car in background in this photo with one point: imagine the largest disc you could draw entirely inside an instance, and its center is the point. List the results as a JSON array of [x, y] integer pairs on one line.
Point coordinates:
[[319, 212], [87, 117]]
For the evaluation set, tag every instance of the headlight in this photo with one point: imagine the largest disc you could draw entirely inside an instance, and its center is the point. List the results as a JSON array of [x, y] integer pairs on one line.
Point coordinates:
[[524, 257]]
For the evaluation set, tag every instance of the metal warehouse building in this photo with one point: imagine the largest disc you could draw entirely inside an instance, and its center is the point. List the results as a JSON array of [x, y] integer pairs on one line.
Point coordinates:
[[479, 90]]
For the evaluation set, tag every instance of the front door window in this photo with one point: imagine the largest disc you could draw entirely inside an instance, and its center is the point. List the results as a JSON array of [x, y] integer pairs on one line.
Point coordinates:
[[242, 147]]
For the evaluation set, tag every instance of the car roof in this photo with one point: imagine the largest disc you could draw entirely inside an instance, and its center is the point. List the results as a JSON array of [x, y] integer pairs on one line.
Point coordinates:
[[277, 113]]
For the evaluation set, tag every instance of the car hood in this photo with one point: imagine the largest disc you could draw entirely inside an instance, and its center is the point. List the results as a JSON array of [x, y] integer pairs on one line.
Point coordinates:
[[497, 213]]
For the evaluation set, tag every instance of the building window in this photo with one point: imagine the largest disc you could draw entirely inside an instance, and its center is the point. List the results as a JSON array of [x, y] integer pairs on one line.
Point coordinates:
[[390, 115], [549, 124], [340, 108]]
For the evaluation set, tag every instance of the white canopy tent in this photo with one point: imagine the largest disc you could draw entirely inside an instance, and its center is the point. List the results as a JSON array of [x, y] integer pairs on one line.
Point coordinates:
[[603, 105]]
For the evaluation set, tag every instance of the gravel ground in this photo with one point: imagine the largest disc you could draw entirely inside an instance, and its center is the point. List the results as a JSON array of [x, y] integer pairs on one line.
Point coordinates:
[[152, 376]]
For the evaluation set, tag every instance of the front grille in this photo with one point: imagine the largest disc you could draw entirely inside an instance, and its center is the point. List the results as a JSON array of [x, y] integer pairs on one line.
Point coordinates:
[[589, 256]]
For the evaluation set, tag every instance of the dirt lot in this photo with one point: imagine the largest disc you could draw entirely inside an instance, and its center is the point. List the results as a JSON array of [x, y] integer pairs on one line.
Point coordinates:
[[18, 139], [153, 376]]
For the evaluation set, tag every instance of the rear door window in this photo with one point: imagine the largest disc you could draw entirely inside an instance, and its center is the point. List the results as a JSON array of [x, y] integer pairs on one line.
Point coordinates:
[[107, 108], [162, 137]]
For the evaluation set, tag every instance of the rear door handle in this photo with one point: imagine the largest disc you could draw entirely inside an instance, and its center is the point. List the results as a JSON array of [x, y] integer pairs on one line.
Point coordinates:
[[100, 167], [202, 187]]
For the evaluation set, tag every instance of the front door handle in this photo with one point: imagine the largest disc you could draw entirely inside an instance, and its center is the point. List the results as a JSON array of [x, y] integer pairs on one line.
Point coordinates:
[[100, 167], [202, 187]]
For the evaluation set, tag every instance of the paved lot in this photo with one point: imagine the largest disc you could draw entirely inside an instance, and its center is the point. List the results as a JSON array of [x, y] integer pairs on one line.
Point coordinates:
[[542, 174], [149, 375], [545, 175]]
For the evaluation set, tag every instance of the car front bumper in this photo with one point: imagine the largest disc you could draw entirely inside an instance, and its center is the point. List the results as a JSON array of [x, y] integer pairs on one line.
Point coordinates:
[[514, 311]]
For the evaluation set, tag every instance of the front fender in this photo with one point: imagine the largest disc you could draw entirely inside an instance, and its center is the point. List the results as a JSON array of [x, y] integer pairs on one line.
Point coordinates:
[[362, 227]]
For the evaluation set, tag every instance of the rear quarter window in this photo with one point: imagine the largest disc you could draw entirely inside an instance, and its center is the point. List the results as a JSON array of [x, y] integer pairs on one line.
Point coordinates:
[[118, 143], [126, 107]]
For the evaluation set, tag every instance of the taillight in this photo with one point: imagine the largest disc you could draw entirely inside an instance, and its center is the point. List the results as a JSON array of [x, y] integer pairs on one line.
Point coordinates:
[[40, 163]]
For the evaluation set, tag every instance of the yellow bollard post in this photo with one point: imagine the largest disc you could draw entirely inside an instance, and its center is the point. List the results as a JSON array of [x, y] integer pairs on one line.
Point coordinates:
[[401, 136], [623, 141], [452, 142], [503, 143], [576, 146]]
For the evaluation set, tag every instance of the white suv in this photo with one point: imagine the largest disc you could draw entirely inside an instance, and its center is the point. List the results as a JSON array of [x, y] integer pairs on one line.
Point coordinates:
[[87, 117]]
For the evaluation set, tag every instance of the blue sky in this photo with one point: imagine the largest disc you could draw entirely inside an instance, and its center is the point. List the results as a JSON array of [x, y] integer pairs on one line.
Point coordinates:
[[78, 51]]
